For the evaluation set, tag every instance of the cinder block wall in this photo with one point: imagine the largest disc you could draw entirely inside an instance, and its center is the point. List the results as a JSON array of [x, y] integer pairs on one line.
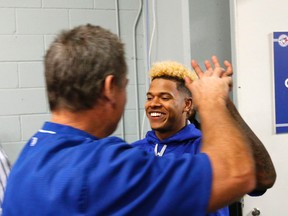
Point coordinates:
[[27, 27]]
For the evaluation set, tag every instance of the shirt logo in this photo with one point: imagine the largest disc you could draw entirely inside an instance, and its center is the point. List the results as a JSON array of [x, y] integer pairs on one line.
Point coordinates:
[[33, 141]]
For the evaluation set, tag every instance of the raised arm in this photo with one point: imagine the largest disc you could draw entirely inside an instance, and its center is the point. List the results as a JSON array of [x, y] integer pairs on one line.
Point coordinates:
[[223, 140], [265, 171]]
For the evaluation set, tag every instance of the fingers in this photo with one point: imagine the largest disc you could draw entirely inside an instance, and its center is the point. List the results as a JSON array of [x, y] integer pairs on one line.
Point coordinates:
[[187, 80], [219, 71], [228, 80], [207, 65], [215, 61], [197, 68], [229, 69]]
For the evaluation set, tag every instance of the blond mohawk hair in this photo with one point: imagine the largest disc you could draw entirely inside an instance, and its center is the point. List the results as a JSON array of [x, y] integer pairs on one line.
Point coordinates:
[[171, 69]]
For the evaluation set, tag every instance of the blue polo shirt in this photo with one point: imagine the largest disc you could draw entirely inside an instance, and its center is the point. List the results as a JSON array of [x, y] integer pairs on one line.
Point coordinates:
[[66, 171]]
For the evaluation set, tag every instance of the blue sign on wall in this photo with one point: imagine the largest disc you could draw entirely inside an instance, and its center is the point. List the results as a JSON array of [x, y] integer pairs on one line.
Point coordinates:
[[280, 44]]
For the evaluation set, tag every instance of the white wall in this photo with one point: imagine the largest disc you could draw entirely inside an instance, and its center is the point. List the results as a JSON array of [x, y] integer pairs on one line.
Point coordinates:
[[254, 21]]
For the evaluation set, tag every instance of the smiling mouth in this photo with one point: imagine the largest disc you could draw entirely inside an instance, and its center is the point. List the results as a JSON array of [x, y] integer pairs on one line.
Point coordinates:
[[155, 114]]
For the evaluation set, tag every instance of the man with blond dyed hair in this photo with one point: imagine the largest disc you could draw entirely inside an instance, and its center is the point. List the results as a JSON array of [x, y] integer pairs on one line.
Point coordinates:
[[169, 106]]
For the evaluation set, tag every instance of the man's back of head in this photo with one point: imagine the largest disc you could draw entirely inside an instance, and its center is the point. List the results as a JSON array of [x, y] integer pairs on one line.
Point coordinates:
[[77, 63]]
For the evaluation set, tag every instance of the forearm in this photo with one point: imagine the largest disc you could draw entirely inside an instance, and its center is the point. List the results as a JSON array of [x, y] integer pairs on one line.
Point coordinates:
[[223, 140], [226, 146], [265, 171]]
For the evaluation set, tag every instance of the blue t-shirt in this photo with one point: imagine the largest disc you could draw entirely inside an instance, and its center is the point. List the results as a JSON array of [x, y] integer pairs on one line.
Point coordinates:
[[187, 140], [66, 171]]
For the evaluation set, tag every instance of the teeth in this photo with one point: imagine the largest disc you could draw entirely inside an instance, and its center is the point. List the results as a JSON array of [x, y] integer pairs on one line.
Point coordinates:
[[154, 114]]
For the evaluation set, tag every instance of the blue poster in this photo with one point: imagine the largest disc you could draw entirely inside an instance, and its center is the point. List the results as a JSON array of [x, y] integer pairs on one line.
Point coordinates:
[[280, 48]]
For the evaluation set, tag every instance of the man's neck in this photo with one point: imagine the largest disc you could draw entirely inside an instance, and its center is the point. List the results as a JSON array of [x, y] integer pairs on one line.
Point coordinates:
[[162, 135], [88, 121]]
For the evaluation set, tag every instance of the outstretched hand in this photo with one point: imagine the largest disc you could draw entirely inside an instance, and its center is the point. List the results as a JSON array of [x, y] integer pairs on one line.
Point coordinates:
[[226, 72], [212, 86]]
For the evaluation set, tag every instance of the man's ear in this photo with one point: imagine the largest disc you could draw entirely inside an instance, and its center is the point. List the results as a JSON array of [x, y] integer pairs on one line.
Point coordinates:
[[188, 104], [109, 89]]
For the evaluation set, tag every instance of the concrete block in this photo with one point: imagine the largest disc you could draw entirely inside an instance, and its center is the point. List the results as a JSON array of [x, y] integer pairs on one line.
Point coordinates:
[[68, 4], [23, 101], [127, 22], [48, 39], [7, 21], [21, 48], [10, 129], [31, 74], [20, 3], [45, 21], [131, 95], [103, 18], [142, 96], [129, 4], [107, 4], [130, 46], [140, 70], [130, 122], [8, 75]]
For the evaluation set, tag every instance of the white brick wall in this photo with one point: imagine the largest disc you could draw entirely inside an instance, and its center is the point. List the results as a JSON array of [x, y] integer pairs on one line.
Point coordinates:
[[7, 21], [27, 27], [20, 3], [21, 48], [31, 75], [95, 17], [68, 4], [8, 75], [10, 128], [23, 101], [41, 21]]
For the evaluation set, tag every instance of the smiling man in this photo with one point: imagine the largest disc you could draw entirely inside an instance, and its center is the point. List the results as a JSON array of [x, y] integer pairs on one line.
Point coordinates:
[[168, 107]]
